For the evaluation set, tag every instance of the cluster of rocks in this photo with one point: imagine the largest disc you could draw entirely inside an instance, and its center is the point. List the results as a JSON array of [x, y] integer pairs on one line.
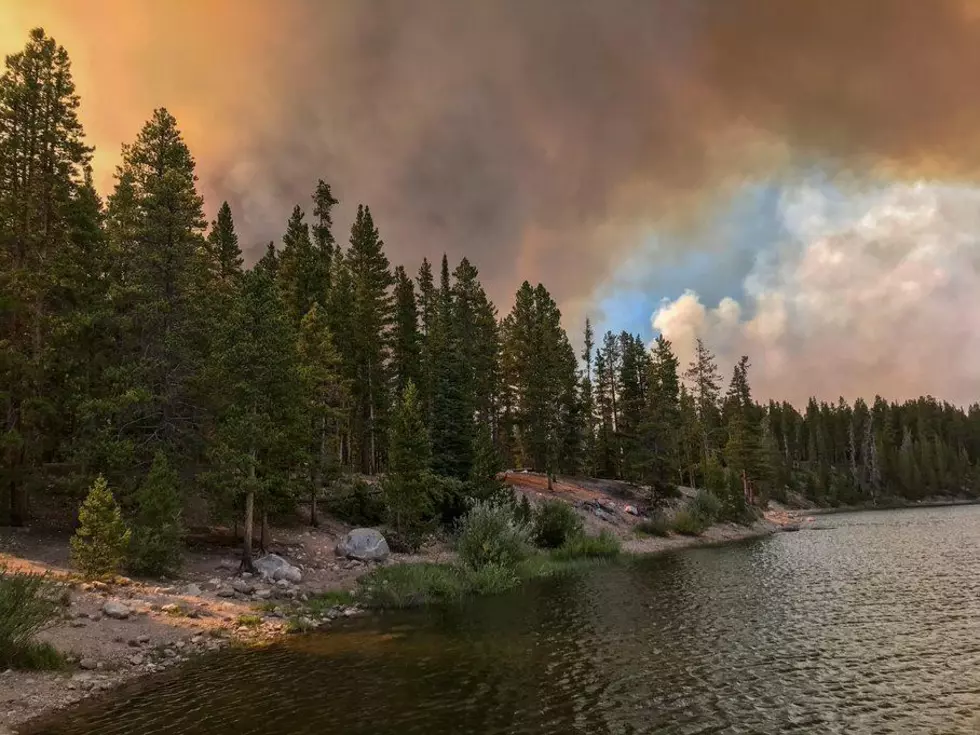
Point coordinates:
[[275, 578]]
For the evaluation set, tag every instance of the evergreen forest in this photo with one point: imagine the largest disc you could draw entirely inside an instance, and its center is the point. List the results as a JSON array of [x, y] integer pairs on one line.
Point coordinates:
[[138, 347]]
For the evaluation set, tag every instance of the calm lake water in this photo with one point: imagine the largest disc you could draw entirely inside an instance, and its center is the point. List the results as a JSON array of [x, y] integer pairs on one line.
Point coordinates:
[[869, 625]]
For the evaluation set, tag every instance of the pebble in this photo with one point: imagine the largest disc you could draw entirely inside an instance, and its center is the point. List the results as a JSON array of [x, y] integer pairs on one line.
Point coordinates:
[[136, 660], [263, 594], [143, 639], [88, 664], [170, 607]]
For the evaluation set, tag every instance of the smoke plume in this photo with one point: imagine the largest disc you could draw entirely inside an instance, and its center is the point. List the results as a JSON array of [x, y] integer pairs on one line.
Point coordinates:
[[541, 139]]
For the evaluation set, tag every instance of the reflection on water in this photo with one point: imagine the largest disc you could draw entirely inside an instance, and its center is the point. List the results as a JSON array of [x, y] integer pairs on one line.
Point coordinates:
[[871, 625]]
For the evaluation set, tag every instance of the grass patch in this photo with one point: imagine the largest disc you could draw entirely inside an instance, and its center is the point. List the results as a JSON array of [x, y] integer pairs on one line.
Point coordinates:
[[249, 621], [28, 604], [333, 598], [412, 585], [418, 585], [655, 526], [603, 546], [688, 523]]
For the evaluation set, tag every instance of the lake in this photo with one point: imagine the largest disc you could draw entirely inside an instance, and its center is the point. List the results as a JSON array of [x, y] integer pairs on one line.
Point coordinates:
[[869, 624]]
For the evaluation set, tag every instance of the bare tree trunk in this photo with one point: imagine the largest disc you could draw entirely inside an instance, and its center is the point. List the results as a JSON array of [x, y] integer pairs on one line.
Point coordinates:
[[247, 564], [264, 536]]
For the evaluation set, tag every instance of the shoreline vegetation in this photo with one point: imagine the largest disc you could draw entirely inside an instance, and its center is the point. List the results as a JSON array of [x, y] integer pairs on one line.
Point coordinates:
[[162, 624], [166, 624]]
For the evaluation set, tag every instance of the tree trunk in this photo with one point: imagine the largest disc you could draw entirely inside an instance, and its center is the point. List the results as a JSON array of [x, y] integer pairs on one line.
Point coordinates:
[[264, 535], [247, 564]]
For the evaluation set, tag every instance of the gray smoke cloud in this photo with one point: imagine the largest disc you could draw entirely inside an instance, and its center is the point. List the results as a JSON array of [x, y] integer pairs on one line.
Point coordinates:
[[540, 138]]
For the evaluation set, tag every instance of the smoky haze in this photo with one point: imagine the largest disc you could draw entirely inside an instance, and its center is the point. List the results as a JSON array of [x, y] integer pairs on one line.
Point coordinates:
[[540, 138]]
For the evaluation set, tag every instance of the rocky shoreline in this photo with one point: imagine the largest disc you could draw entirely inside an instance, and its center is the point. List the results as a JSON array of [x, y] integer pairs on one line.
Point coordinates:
[[113, 634]]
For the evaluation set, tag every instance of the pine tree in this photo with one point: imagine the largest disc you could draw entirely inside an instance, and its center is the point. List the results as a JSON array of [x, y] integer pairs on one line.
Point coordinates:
[[323, 240], [660, 429], [224, 254], [42, 161], [269, 262], [483, 481], [406, 342], [325, 395], [371, 317], [405, 485], [606, 444], [300, 272], [633, 376], [588, 404], [99, 545], [426, 308], [452, 411], [690, 437], [260, 429], [540, 372], [158, 529], [702, 375], [159, 288]]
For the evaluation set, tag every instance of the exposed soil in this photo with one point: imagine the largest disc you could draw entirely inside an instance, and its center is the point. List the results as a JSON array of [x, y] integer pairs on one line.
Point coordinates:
[[168, 620]]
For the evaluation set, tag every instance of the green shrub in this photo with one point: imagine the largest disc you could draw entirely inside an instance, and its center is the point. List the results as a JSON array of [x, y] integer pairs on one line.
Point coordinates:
[[688, 523], [249, 620], [603, 546], [489, 535], [656, 525], [555, 522], [28, 603], [158, 532], [492, 579], [523, 511], [706, 506], [98, 547]]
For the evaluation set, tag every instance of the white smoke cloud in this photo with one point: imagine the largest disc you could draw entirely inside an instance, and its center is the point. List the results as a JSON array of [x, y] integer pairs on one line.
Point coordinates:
[[874, 294]]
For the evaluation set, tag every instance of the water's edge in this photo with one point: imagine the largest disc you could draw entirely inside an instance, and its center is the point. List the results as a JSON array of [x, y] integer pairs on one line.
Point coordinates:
[[46, 716]]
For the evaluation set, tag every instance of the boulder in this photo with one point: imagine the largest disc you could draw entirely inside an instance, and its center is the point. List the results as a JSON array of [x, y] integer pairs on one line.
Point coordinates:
[[364, 544], [192, 590], [275, 568], [113, 609]]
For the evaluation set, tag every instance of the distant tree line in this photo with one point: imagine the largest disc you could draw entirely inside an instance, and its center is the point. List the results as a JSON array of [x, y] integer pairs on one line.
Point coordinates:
[[135, 346]]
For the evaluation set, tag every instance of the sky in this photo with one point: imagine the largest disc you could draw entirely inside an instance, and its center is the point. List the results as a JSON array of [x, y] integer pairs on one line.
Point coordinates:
[[794, 181]]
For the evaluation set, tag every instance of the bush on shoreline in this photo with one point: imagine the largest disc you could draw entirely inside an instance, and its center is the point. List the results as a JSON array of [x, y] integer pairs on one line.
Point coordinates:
[[657, 525], [489, 534], [688, 523], [27, 606], [555, 522]]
